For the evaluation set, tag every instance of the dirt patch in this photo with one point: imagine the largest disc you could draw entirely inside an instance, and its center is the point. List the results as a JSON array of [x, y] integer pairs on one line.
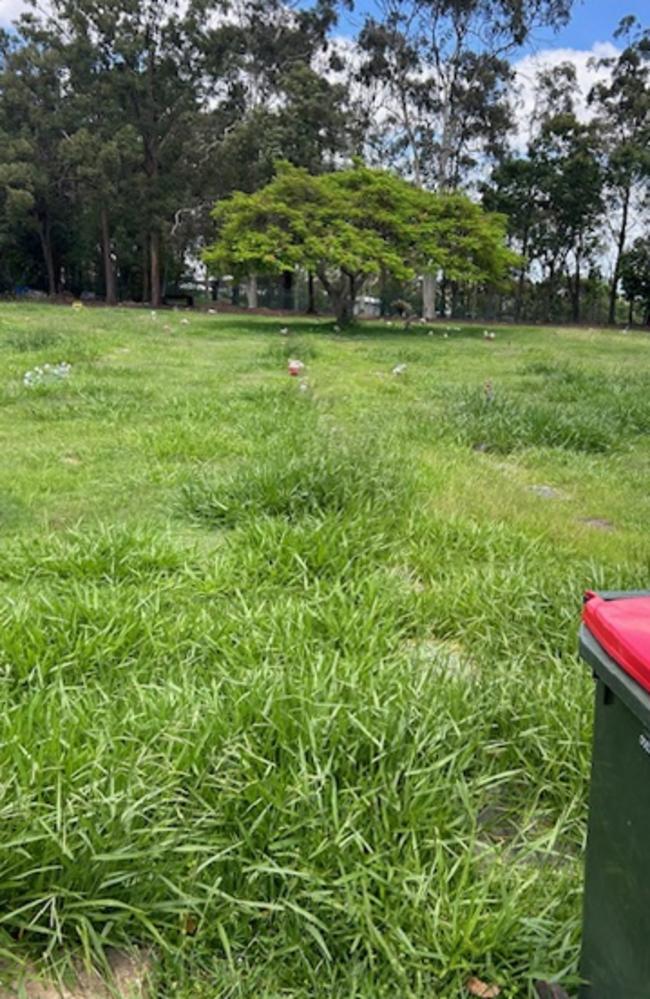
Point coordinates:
[[598, 523], [129, 979]]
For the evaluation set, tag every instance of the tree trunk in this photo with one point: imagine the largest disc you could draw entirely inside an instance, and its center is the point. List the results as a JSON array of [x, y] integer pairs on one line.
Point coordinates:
[[550, 294], [45, 233], [620, 249], [429, 290], [444, 287], [251, 291], [343, 308], [311, 294], [287, 290], [156, 290], [576, 292], [339, 296], [109, 270], [521, 280], [145, 269]]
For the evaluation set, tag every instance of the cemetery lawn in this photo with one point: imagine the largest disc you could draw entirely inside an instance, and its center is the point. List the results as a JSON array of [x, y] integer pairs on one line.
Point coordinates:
[[289, 692]]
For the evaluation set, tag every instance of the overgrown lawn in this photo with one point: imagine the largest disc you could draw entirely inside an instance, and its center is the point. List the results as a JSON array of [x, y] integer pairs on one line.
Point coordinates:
[[288, 684]]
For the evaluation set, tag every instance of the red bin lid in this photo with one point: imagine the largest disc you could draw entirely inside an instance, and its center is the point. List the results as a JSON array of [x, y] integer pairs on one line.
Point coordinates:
[[622, 627]]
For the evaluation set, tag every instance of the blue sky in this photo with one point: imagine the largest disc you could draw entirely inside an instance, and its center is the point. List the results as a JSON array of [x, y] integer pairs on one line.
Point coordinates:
[[592, 21]]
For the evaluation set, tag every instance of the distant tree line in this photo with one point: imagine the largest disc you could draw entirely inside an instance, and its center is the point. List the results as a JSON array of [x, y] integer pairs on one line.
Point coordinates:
[[123, 124]]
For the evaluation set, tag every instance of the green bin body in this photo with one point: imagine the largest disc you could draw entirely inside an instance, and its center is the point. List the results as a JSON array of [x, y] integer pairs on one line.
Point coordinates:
[[615, 960]]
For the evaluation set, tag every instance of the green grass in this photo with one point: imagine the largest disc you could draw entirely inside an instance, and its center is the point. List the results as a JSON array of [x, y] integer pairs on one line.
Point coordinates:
[[295, 670]]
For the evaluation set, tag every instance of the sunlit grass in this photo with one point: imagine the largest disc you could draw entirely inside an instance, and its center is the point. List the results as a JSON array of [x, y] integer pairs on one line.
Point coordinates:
[[288, 685]]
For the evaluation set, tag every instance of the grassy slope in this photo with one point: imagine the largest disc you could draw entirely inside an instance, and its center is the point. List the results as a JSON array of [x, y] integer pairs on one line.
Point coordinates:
[[287, 679]]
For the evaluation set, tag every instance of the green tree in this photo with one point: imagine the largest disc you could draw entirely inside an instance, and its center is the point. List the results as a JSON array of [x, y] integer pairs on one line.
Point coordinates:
[[283, 103], [513, 190], [565, 159], [143, 66], [553, 197], [622, 105], [34, 117], [354, 224], [635, 274], [441, 68]]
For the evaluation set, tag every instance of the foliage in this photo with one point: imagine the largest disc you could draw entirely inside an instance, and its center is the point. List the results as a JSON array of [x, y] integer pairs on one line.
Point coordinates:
[[635, 272], [349, 225], [553, 197], [622, 105], [444, 67]]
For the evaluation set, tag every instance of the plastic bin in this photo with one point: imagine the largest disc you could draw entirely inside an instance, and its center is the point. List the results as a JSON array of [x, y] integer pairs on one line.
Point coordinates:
[[615, 641]]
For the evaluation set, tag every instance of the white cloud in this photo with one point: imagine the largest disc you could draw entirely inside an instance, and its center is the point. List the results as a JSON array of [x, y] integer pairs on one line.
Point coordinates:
[[10, 9], [587, 74]]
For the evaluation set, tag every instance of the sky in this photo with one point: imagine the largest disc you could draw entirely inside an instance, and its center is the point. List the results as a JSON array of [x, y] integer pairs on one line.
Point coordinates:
[[593, 21]]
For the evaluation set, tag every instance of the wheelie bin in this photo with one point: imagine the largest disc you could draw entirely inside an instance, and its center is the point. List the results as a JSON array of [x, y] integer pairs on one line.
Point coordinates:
[[615, 642]]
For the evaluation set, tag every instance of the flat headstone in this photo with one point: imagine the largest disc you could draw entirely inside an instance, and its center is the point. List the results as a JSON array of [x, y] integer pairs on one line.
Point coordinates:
[[598, 523], [546, 492]]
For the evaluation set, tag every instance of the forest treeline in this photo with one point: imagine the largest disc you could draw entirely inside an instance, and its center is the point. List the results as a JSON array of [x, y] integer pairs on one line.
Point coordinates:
[[123, 124]]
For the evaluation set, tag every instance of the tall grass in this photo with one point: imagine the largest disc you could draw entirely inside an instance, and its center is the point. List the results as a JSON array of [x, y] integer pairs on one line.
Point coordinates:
[[281, 716]]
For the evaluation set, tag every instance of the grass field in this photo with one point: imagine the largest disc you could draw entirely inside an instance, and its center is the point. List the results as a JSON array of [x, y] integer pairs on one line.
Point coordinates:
[[288, 685]]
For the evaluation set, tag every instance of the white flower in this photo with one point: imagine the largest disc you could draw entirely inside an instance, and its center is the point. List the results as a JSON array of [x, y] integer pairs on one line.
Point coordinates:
[[47, 374]]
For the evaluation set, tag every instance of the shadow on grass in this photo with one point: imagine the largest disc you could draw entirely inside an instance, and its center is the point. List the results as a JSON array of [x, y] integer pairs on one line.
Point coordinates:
[[389, 329]]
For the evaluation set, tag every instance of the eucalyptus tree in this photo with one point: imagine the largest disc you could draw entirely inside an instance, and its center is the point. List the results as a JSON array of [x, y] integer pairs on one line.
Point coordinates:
[[285, 101], [553, 195], [138, 74], [34, 117], [622, 105], [635, 275], [442, 80]]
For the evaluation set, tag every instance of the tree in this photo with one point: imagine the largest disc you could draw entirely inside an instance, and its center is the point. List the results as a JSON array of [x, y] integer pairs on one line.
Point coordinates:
[[565, 159], [513, 190], [34, 115], [635, 273], [553, 196], [622, 105], [285, 105], [144, 64], [354, 224], [441, 76]]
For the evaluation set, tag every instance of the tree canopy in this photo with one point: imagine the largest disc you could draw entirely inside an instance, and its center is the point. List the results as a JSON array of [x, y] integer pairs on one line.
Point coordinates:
[[352, 224]]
